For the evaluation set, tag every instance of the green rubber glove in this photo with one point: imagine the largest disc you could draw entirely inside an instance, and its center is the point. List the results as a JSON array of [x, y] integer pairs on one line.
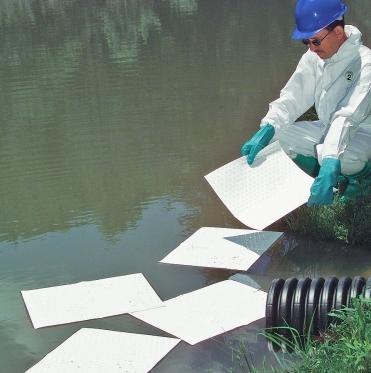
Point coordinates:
[[321, 191], [257, 142]]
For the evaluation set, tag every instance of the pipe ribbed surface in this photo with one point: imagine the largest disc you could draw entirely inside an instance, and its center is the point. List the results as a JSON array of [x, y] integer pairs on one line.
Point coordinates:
[[304, 304]]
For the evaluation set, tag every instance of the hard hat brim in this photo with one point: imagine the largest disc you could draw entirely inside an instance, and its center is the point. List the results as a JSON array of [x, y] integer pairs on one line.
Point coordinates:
[[298, 35]]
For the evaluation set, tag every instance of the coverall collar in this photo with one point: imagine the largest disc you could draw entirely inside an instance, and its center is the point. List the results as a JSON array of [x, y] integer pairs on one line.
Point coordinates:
[[347, 48]]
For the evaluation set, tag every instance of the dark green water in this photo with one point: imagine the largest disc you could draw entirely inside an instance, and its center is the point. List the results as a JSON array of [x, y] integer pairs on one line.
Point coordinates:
[[111, 114]]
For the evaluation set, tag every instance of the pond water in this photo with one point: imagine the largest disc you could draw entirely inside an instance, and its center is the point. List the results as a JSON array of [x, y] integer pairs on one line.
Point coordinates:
[[111, 114]]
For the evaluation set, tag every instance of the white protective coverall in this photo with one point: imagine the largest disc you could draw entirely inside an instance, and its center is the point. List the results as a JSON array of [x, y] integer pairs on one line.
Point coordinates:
[[340, 89]]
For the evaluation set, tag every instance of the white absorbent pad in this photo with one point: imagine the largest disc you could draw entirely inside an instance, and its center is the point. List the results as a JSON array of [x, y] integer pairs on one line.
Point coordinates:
[[260, 194], [236, 249], [89, 300], [207, 312], [105, 351]]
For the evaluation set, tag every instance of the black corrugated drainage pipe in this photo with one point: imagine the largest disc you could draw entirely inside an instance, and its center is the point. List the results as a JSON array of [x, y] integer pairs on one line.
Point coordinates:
[[304, 304]]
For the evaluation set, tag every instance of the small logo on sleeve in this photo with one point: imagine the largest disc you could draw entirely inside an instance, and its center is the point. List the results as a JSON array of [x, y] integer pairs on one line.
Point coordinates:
[[349, 76]]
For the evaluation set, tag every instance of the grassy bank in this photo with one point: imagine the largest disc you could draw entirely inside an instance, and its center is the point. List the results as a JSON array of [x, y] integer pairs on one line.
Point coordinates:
[[347, 222], [345, 347]]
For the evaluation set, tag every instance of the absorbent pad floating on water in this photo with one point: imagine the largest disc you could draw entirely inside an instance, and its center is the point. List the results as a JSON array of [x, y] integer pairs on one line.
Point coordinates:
[[89, 300], [236, 249], [260, 194], [207, 312], [105, 351]]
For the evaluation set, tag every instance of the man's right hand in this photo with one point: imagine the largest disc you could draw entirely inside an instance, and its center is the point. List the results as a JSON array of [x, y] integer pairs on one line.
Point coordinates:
[[321, 191], [257, 142]]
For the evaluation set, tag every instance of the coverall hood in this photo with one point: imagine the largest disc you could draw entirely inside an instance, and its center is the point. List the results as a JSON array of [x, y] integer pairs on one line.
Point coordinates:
[[354, 37]]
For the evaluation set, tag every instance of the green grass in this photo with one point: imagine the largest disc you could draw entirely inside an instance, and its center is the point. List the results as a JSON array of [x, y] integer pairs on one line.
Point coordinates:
[[345, 347], [347, 222]]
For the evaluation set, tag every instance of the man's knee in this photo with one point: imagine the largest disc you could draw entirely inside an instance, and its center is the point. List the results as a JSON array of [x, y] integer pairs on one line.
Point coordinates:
[[301, 138]]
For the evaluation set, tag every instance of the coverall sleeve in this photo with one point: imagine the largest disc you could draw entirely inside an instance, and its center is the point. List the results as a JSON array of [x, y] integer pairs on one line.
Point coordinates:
[[296, 97], [353, 110]]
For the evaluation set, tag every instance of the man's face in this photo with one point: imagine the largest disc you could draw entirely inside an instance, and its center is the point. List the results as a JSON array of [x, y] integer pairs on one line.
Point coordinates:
[[329, 43]]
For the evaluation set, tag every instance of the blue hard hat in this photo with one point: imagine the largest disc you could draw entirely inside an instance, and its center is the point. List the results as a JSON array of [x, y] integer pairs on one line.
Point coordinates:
[[314, 15]]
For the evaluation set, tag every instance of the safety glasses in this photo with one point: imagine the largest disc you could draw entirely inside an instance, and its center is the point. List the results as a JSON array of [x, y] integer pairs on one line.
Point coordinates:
[[317, 42]]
